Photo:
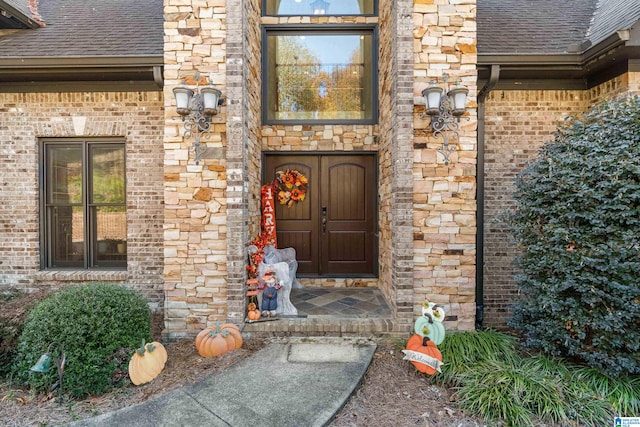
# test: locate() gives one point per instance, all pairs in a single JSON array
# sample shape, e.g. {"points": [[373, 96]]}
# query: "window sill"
{"points": [[82, 275]]}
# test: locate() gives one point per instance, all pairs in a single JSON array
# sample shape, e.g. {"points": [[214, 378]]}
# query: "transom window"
{"points": [[319, 7], [84, 218], [325, 76]]}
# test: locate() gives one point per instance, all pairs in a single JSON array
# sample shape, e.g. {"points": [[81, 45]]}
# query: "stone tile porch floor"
{"points": [[357, 303]]}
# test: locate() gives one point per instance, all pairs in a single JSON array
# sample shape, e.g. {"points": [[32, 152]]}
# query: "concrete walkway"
{"points": [[303, 382]]}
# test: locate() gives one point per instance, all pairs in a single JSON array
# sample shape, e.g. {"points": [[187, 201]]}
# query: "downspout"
{"points": [[157, 76], [482, 96]]}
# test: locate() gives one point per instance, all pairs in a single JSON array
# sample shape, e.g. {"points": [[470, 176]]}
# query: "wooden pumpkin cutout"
{"points": [[423, 354], [147, 362]]}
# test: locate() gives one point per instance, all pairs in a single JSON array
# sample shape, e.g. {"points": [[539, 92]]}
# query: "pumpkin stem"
{"points": [[425, 340], [429, 316], [216, 331], [141, 350]]}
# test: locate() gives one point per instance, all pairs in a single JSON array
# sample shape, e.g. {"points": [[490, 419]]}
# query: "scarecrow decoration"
{"points": [[271, 285], [289, 187], [422, 348]]}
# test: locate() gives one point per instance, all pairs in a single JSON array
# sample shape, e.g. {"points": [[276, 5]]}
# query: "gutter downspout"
{"points": [[482, 96], [157, 76]]}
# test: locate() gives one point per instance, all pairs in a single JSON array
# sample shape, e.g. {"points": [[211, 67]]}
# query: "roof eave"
{"points": [[27, 21], [17, 62], [73, 74], [561, 70]]}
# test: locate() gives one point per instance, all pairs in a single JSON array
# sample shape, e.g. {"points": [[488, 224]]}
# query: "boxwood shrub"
{"points": [[577, 220], [98, 326]]}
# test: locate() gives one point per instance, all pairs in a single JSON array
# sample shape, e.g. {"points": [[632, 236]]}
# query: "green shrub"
{"points": [[492, 380], [15, 306], [97, 325], [462, 351], [577, 221]]}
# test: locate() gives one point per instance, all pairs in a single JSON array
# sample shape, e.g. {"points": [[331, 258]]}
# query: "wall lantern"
{"points": [[43, 365], [444, 112], [319, 7], [196, 107]]}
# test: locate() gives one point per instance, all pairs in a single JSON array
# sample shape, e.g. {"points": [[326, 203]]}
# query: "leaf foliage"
{"points": [[97, 325], [577, 222]]}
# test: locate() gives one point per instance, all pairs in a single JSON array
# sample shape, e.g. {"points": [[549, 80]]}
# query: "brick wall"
{"points": [[136, 117], [444, 203], [517, 124]]}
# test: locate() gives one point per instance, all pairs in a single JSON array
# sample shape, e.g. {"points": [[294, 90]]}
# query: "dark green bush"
{"points": [[98, 325], [577, 220]]}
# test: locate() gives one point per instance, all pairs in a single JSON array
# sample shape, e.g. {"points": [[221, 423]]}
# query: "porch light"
{"points": [[444, 112], [196, 107], [319, 7]]}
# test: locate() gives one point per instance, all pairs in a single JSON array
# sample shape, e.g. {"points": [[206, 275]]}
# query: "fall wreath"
{"points": [[290, 186]]}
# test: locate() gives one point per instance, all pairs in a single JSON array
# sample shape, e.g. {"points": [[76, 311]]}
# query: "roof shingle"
{"points": [[91, 28], [549, 26]]}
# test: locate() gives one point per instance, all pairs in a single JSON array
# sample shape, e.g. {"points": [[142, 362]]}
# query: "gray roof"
{"points": [[90, 28], [550, 26], [21, 6], [613, 15]]}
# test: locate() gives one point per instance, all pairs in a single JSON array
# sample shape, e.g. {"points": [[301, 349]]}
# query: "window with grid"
{"points": [[317, 76], [319, 73], [84, 222]]}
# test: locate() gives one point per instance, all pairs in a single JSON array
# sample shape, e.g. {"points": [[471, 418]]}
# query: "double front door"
{"points": [[334, 228]]}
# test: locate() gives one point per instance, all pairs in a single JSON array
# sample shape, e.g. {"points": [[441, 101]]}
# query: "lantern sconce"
{"points": [[444, 112], [197, 107]]}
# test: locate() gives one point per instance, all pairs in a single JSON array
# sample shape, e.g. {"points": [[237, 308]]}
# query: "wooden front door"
{"points": [[334, 229]]}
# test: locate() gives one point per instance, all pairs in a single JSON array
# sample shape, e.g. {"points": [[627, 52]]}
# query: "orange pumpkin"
{"points": [[218, 340], [427, 347], [252, 312], [147, 362]]}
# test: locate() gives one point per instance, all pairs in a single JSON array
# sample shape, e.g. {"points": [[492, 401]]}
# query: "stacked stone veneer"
{"points": [[197, 196], [135, 118], [444, 196], [212, 210], [517, 124]]}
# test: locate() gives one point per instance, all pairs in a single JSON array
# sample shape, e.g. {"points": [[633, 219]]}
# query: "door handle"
{"points": [[324, 219]]}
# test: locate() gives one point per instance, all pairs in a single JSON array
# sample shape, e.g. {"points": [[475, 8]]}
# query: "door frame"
{"points": [[376, 218]]}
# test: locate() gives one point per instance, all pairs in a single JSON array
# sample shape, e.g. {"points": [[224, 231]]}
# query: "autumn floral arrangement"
{"points": [[259, 242], [290, 187]]}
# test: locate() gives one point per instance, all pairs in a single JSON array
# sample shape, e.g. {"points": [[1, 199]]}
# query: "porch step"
{"points": [[320, 326]]}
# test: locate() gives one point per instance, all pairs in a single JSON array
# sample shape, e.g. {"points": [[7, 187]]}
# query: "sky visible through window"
{"points": [[319, 7], [331, 49]]}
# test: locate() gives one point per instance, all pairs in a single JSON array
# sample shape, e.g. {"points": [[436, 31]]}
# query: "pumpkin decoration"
{"points": [[218, 340], [426, 327], [252, 312], [147, 362], [423, 354], [434, 310]]}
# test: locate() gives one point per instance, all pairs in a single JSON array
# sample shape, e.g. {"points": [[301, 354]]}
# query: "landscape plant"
{"points": [[577, 222], [492, 379], [97, 325]]}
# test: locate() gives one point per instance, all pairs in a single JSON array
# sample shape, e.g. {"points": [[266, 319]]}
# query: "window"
{"points": [[325, 76], [84, 217], [319, 7]]}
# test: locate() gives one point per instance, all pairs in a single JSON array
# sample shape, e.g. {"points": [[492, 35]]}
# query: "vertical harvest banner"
{"points": [[268, 216]]}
